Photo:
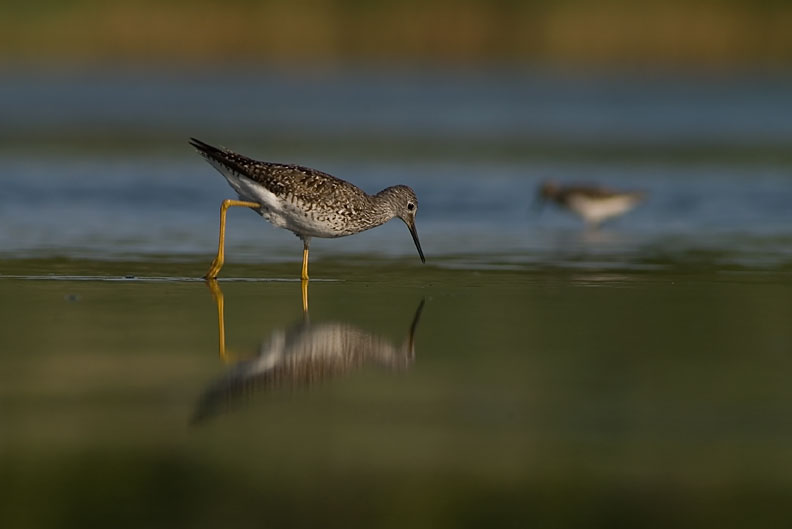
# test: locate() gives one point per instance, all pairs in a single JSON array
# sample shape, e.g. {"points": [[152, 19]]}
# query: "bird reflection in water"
{"points": [[304, 354]]}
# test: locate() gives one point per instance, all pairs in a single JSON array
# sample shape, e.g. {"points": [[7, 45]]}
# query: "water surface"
{"points": [[634, 375], [576, 397], [97, 165]]}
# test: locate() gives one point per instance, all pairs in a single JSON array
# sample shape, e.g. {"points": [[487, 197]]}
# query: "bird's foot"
{"points": [[214, 269]]}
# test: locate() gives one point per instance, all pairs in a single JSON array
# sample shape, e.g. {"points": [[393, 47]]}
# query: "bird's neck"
{"points": [[384, 207]]}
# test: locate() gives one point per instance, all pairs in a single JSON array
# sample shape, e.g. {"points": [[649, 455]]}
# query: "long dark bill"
{"points": [[414, 327], [414, 234]]}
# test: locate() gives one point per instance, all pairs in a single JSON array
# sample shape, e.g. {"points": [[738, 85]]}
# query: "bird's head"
{"points": [[547, 190], [404, 204]]}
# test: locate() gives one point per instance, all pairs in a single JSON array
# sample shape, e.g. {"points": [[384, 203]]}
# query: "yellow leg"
{"points": [[217, 264], [217, 295], [304, 275], [304, 284]]}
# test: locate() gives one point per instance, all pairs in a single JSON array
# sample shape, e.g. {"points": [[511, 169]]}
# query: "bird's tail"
{"points": [[221, 158]]}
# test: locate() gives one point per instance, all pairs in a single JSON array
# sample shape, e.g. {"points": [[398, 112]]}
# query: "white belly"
{"points": [[279, 212], [598, 210]]}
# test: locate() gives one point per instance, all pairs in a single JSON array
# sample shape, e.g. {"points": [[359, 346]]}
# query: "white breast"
{"points": [[596, 210], [280, 212], [248, 190]]}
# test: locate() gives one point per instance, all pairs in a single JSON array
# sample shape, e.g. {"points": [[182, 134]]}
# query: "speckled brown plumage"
{"points": [[309, 202]]}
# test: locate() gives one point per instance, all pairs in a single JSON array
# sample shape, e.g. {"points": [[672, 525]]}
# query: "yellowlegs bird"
{"points": [[593, 204], [307, 202]]}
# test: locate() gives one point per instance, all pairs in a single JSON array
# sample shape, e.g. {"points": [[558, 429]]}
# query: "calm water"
{"points": [[531, 373], [97, 166], [578, 398]]}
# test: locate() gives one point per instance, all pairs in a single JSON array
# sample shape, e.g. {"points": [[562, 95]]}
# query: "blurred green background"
{"points": [[573, 33]]}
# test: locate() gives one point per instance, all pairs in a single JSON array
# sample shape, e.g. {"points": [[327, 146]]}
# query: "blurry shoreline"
{"points": [[578, 34], [386, 148], [383, 113]]}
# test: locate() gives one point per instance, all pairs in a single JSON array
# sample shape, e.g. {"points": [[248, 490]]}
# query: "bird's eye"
{"points": [[410, 206]]}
